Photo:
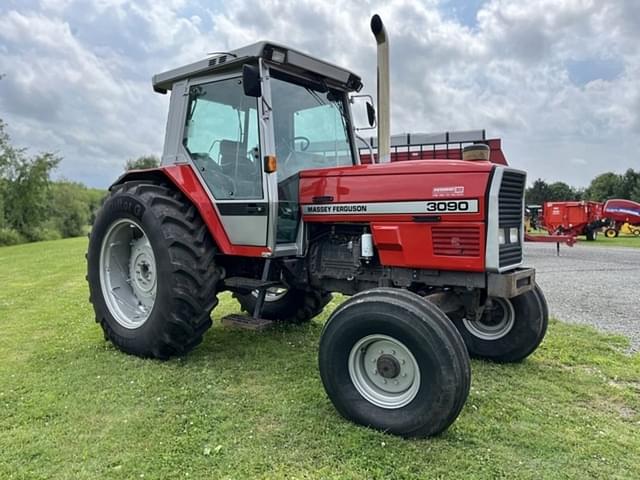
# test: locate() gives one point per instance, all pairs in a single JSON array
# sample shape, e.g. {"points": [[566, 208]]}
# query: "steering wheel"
{"points": [[305, 142]]}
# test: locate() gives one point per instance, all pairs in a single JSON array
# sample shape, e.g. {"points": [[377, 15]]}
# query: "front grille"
{"points": [[510, 254], [510, 215], [456, 241], [510, 199]]}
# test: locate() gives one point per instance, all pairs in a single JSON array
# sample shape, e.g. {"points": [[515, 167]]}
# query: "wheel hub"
{"points": [[384, 371], [142, 268], [128, 275], [388, 366], [496, 321]]}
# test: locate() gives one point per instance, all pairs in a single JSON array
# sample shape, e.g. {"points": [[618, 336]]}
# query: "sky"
{"points": [[557, 80]]}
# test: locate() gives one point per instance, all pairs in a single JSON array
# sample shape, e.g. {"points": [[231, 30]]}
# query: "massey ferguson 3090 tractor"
{"points": [[261, 192]]}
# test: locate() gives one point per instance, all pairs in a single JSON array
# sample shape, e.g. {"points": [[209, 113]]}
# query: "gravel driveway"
{"points": [[599, 286]]}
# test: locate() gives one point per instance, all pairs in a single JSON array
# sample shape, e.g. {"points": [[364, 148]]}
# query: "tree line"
{"points": [[33, 207], [603, 187]]}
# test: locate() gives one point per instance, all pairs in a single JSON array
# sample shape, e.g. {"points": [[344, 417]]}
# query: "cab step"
{"points": [[247, 284], [246, 322]]}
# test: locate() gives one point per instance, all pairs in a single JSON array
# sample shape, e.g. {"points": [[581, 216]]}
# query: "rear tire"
{"points": [[509, 332], [591, 235], [293, 306], [181, 253], [423, 360]]}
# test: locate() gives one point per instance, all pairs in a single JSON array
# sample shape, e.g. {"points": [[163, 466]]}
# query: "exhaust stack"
{"points": [[384, 94]]}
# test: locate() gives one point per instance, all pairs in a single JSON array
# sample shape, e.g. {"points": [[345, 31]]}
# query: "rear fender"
{"points": [[183, 178]]}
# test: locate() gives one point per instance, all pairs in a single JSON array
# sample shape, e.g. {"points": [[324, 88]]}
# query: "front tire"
{"points": [[151, 271], [508, 331], [611, 233], [391, 360]]}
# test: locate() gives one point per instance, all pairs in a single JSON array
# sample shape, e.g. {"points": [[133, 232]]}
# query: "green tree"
{"points": [[24, 187], [69, 208], [560, 191], [630, 188], [538, 193], [141, 163], [605, 186], [27, 196]]}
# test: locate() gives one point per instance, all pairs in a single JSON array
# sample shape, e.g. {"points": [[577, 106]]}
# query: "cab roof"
{"points": [[293, 60]]}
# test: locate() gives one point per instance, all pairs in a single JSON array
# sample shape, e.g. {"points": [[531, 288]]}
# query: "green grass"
{"points": [[620, 241], [251, 405]]}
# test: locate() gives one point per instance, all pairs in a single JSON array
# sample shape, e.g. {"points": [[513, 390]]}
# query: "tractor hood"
{"points": [[400, 181], [414, 167]]}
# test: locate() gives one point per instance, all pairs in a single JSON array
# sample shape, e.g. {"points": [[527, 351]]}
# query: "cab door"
{"points": [[223, 139]]}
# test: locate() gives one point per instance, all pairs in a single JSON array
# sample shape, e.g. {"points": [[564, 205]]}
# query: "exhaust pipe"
{"points": [[384, 94]]}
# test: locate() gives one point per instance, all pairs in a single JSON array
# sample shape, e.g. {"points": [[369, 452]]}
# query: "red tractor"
{"points": [[261, 192]]}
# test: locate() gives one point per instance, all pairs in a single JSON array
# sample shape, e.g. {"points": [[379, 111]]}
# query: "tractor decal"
{"points": [[436, 206]]}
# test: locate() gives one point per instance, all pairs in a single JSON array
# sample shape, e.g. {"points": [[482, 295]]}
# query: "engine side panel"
{"points": [[426, 220]]}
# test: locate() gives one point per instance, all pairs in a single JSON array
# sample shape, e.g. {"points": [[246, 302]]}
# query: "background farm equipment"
{"points": [[622, 213], [629, 229], [435, 146], [573, 218]]}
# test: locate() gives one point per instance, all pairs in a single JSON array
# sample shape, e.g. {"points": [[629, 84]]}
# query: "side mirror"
{"points": [[251, 81], [363, 112], [371, 114]]}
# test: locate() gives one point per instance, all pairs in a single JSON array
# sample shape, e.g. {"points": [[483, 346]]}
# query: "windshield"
{"points": [[310, 128]]}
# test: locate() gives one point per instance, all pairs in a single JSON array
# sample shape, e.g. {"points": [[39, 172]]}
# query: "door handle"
{"points": [[255, 209]]}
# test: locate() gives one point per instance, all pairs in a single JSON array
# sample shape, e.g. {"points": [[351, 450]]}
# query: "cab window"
{"points": [[221, 136]]}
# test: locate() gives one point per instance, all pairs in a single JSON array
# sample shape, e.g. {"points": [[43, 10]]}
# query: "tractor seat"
{"points": [[235, 164]]}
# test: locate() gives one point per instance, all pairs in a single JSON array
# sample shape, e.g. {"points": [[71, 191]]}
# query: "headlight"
{"points": [[514, 235], [501, 237], [278, 56]]}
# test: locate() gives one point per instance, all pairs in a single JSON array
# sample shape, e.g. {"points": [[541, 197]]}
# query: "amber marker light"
{"points": [[270, 163]]}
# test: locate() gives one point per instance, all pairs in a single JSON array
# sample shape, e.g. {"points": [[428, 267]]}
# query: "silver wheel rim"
{"points": [[128, 275], [495, 323], [384, 371], [273, 294]]}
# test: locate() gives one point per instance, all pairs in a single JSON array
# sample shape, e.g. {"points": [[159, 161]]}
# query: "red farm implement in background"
{"points": [[433, 146], [573, 218], [620, 212]]}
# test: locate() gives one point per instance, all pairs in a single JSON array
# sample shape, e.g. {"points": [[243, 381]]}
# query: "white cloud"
{"points": [[78, 72]]}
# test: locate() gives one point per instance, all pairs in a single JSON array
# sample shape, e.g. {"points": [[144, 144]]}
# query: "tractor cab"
{"points": [[249, 121]]}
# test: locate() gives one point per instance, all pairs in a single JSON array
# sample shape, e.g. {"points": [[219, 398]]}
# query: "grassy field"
{"points": [[251, 405], [621, 241]]}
